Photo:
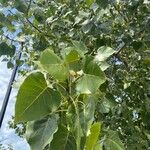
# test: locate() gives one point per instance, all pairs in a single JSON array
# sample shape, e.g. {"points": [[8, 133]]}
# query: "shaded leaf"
{"points": [[113, 141], [92, 68], [102, 3], [87, 116], [62, 140], [7, 50], [21, 5]]}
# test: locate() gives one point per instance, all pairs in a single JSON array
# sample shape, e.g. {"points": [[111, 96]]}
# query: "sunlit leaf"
{"points": [[89, 2], [89, 84], [35, 99], [40, 133], [103, 53], [93, 136], [54, 65]]}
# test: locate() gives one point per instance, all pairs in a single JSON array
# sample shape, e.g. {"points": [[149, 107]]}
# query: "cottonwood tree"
{"points": [[89, 84]]}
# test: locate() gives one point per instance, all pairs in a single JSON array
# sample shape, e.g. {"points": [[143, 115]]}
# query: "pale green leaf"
{"points": [[103, 53], [92, 79], [104, 65], [88, 84], [35, 99], [93, 136], [40, 133]]}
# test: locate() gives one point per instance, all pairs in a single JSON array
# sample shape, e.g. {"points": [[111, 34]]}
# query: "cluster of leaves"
{"points": [[77, 86]]}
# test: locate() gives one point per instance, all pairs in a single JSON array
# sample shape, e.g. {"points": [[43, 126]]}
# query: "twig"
{"points": [[51, 36]]}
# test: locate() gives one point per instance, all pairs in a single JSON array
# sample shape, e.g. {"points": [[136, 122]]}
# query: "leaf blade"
{"points": [[35, 99], [40, 133], [93, 136]]}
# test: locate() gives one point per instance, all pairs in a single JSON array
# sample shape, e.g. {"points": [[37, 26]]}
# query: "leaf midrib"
{"points": [[33, 101]]}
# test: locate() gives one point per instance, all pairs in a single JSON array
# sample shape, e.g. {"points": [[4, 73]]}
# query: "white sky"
{"points": [[7, 135]]}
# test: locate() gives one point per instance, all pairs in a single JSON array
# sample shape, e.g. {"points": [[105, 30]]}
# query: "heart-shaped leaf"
{"points": [[35, 99]]}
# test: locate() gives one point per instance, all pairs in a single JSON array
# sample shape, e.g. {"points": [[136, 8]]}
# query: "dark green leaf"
{"points": [[7, 50], [63, 140], [102, 3], [21, 5]]}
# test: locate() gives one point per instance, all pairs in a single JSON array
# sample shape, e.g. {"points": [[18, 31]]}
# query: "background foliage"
{"points": [[84, 94]]}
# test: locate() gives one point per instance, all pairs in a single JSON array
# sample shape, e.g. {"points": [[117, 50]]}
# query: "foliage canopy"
{"points": [[90, 82]]}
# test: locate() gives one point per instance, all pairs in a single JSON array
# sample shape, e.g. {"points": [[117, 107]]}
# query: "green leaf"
{"points": [[3, 1], [87, 116], [92, 68], [35, 99], [40, 133], [89, 2], [102, 3], [92, 78], [89, 84], [93, 136], [98, 146], [72, 56], [21, 5], [62, 140], [10, 64], [113, 142], [80, 47], [104, 65], [7, 50], [104, 106], [54, 65], [87, 25], [39, 15], [103, 53]]}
